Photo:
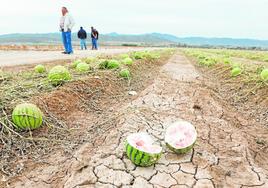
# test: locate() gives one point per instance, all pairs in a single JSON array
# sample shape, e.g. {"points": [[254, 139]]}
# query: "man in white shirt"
{"points": [[66, 25]]}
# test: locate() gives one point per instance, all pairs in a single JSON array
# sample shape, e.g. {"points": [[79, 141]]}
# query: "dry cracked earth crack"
{"points": [[221, 157]]}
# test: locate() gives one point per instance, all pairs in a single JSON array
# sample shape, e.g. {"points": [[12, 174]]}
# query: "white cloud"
{"points": [[212, 18]]}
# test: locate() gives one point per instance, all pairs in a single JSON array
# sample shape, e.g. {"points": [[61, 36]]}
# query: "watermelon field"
{"points": [[158, 118]]}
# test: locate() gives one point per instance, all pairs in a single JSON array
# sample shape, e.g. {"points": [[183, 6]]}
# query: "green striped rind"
{"points": [[141, 158], [27, 117], [58, 75], [182, 150]]}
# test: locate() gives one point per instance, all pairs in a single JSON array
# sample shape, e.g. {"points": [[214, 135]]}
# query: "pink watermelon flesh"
{"points": [[181, 135], [143, 142]]}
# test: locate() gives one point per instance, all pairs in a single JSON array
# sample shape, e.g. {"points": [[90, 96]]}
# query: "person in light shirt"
{"points": [[66, 25]]}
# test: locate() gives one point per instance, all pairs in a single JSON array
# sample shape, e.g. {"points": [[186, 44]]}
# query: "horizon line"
{"points": [[179, 37]]}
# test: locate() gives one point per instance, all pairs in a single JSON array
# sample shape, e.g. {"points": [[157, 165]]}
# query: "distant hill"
{"points": [[143, 39]]}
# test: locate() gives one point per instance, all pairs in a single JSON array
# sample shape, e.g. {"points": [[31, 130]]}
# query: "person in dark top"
{"points": [[95, 38], [82, 35]]}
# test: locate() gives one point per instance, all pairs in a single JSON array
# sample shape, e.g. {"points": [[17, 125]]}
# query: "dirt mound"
{"points": [[247, 96]]}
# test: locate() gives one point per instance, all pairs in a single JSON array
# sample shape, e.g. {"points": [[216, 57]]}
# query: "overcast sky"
{"points": [[208, 18]]}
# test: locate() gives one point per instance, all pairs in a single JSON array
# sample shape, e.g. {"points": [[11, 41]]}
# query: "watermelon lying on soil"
{"points": [[264, 74], [123, 56], [236, 71], [124, 73], [141, 151], [82, 67], [113, 64], [90, 60], [27, 116], [138, 55], [103, 63], [180, 137], [59, 74], [39, 68], [75, 63], [127, 61]]}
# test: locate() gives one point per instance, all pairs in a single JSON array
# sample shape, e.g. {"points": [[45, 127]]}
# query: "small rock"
{"points": [[132, 93]]}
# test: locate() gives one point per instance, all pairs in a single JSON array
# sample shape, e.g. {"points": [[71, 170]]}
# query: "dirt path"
{"points": [[10, 58], [226, 154]]}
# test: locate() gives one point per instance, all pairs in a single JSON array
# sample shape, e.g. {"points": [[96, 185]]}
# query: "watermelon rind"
{"points": [[180, 150], [58, 75], [27, 116], [140, 157]]}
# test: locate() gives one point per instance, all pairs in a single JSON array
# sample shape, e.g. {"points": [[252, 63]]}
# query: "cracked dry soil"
{"points": [[226, 153]]}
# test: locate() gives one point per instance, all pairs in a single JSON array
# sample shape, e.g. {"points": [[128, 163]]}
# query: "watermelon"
{"points": [[82, 67], [127, 61], [103, 63], [90, 60], [75, 63], [264, 74], [236, 71], [124, 73], [27, 116], [58, 75], [138, 55], [141, 151], [39, 68], [180, 137], [124, 56], [113, 64]]}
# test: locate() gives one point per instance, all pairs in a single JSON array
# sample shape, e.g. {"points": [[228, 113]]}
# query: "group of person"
{"points": [[66, 25], [82, 35]]}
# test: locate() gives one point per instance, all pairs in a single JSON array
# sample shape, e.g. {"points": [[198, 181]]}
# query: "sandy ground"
{"points": [[10, 58], [224, 156]]}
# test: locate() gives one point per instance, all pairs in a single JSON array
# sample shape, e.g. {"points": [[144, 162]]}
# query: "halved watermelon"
{"points": [[181, 136], [141, 151]]}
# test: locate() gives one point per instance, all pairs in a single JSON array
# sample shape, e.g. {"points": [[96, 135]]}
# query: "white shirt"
{"points": [[66, 22]]}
